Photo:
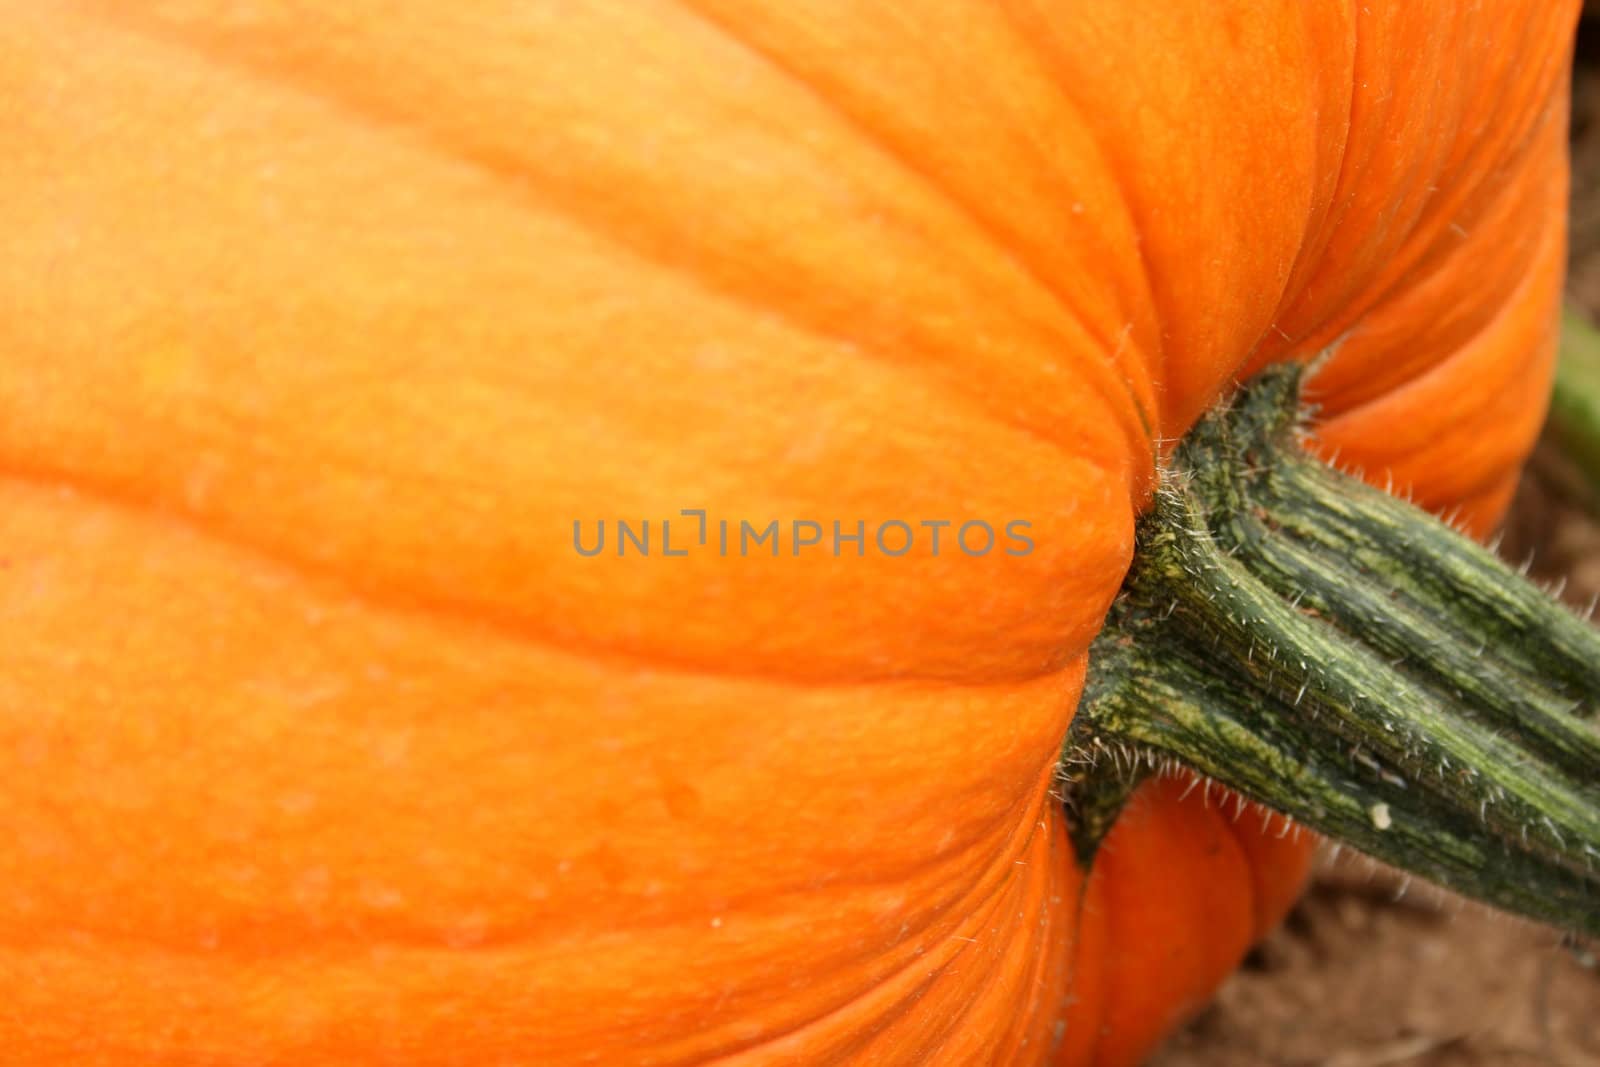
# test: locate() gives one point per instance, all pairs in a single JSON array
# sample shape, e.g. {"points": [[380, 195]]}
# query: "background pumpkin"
{"points": [[324, 323]]}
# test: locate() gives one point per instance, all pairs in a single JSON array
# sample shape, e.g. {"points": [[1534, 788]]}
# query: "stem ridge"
{"points": [[1346, 659]]}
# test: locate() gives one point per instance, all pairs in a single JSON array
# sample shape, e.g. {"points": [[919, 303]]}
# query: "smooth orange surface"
{"points": [[322, 322]]}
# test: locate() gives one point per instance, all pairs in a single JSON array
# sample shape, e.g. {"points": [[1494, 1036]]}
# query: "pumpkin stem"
{"points": [[1575, 402], [1347, 659]]}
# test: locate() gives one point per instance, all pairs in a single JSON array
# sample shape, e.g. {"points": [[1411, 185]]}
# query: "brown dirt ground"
{"points": [[1372, 971]]}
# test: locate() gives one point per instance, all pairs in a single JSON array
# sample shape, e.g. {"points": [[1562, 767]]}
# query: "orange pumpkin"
{"points": [[324, 323]]}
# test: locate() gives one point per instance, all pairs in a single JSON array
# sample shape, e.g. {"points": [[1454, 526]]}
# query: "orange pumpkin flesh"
{"points": [[324, 322]]}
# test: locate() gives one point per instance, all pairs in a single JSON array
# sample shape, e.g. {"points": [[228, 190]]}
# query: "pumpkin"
{"points": [[326, 323]]}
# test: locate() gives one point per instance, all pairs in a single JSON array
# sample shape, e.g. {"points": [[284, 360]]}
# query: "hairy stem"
{"points": [[1348, 660]]}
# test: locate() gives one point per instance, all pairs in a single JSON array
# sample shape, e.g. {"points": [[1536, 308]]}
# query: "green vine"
{"points": [[1575, 404]]}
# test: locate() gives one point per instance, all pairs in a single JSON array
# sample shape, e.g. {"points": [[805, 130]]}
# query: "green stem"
{"points": [[1346, 659], [1575, 402]]}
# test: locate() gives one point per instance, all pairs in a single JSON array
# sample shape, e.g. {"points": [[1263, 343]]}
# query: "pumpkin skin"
{"points": [[323, 323]]}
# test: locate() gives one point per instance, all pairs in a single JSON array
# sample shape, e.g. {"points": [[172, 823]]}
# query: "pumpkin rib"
{"points": [[511, 627], [1364, 376], [971, 905], [960, 942], [1247, 836], [1158, 835], [1191, 348], [1314, 241], [1428, 229], [474, 979], [968, 900], [976, 916], [884, 987], [1106, 378], [1100, 442], [1033, 44], [1112, 347], [1517, 434], [1058, 934], [1268, 898], [1086, 950]]}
